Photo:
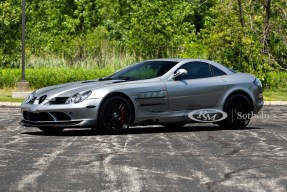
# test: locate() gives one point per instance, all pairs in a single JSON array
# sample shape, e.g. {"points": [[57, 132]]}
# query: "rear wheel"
{"points": [[51, 129], [238, 109], [115, 115]]}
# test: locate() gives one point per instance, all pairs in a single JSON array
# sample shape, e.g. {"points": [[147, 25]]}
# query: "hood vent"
{"points": [[42, 98], [32, 100]]}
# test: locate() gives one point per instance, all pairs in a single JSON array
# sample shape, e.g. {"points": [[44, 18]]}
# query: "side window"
{"points": [[195, 70], [216, 71]]}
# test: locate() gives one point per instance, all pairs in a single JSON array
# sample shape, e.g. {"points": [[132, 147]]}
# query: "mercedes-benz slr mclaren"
{"points": [[168, 92]]}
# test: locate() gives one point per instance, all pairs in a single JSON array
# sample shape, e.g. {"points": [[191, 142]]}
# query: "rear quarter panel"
{"points": [[239, 82]]}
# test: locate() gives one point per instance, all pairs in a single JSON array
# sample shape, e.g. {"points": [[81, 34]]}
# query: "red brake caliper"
{"points": [[122, 115]]}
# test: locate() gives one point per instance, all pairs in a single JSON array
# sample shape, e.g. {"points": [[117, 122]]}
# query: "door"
{"points": [[198, 89]]}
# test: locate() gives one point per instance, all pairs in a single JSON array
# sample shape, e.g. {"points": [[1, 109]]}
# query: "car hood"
{"points": [[69, 89]]}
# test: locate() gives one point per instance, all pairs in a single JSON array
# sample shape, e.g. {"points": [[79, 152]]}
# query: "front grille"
{"points": [[45, 116], [58, 100], [60, 116]]}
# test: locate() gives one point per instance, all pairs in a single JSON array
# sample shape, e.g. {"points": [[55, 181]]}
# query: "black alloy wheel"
{"points": [[115, 115], [239, 111]]}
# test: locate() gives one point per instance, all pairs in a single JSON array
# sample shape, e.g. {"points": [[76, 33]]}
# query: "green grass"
{"points": [[6, 96], [275, 96]]}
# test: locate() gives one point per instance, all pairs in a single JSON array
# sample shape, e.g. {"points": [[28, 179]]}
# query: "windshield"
{"points": [[143, 70]]}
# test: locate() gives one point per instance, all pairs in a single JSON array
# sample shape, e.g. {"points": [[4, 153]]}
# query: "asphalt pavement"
{"points": [[197, 157]]}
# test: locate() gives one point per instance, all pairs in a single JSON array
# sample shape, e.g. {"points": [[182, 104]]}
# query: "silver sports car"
{"points": [[168, 92]]}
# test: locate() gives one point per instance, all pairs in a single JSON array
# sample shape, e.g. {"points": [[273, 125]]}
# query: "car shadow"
{"points": [[137, 130]]}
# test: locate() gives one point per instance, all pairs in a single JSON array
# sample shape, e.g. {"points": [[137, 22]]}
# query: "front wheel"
{"points": [[116, 115], [238, 109]]}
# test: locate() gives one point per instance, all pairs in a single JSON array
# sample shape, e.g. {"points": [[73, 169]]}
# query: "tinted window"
{"points": [[216, 71], [195, 70]]}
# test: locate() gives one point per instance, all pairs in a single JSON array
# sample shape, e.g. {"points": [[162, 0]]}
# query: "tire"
{"points": [[236, 107], [116, 115], [51, 129], [173, 125]]}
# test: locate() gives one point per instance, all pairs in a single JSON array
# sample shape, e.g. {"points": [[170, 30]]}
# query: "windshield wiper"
{"points": [[104, 79], [128, 78], [119, 80]]}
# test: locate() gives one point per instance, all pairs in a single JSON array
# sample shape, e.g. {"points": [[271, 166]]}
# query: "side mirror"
{"points": [[180, 72]]}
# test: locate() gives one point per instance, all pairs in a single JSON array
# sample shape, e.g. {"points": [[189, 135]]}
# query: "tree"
{"points": [[10, 33], [246, 35], [241, 34], [159, 28]]}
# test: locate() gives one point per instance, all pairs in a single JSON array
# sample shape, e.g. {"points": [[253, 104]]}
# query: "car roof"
{"points": [[170, 59], [185, 60], [180, 60]]}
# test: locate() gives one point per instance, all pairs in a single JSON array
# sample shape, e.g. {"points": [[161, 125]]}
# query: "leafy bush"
{"points": [[276, 81], [9, 77], [43, 77]]}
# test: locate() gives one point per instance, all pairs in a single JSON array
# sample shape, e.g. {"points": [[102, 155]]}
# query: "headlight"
{"points": [[30, 97], [77, 98], [71, 99], [257, 82], [82, 97]]}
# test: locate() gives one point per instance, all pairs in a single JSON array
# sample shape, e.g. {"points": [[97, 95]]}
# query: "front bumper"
{"points": [[64, 124], [258, 100], [83, 114]]}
